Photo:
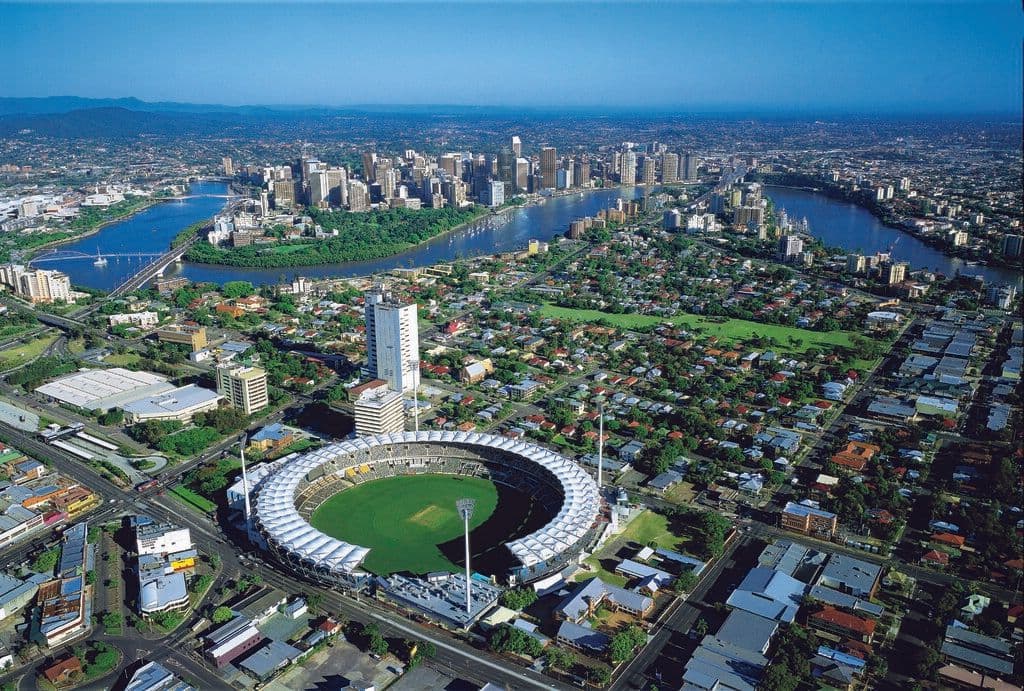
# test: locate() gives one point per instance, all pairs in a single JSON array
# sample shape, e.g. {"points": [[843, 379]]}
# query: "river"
{"points": [[837, 223], [842, 224], [151, 231]]}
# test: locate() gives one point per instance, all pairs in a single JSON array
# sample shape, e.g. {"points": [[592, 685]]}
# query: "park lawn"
{"points": [[728, 330], [651, 527], [122, 359], [646, 528], [25, 352], [403, 519], [189, 498]]}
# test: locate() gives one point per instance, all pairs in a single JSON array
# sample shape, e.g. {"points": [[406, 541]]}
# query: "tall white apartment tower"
{"points": [[392, 339]]}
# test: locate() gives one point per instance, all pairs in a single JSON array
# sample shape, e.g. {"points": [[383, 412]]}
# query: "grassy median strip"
{"points": [[196, 501]]}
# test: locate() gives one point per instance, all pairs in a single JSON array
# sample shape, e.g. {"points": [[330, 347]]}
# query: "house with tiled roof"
{"points": [[837, 625]]}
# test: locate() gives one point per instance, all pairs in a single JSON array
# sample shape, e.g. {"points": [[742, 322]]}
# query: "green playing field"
{"points": [[403, 519]]}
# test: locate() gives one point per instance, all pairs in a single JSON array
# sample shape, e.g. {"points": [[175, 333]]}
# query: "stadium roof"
{"points": [[281, 523]]}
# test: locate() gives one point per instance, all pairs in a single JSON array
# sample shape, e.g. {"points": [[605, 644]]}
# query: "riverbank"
{"points": [[361, 237], [823, 187], [147, 204]]}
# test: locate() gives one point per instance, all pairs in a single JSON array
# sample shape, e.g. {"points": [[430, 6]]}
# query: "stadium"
{"points": [[320, 513]]}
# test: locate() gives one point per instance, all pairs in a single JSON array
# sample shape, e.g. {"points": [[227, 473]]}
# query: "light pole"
{"points": [[414, 365], [600, 439], [245, 480], [465, 508]]}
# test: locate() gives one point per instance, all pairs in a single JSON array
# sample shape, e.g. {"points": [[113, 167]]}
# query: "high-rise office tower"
{"points": [[358, 196], [392, 339], [581, 173], [451, 164], [627, 168], [648, 173], [229, 166], [495, 193], [690, 162], [505, 160], [388, 181], [454, 191], [517, 146], [369, 161], [319, 189], [549, 166], [521, 183], [669, 168], [245, 388]]}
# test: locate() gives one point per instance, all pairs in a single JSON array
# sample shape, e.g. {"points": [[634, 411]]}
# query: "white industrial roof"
{"points": [[174, 401], [92, 388], [280, 520]]}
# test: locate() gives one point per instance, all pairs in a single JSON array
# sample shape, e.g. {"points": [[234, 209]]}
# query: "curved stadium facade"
{"points": [[286, 499]]}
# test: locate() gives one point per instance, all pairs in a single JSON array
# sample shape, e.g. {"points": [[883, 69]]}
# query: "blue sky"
{"points": [[876, 57]]}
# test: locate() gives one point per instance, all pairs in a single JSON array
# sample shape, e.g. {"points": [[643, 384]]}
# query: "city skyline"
{"points": [[787, 58]]}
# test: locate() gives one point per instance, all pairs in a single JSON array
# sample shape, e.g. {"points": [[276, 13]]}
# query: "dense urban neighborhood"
{"points": [[522, 409]]}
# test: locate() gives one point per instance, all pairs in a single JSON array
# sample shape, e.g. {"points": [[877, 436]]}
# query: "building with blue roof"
{"points": [[770, 594], [583, 638]]}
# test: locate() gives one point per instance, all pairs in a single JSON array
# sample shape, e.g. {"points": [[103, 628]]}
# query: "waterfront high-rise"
{"points": [[690, 162], [521, 183], [39, 286], [648, 174], [549, 166], [627, 168], [669, 168]]}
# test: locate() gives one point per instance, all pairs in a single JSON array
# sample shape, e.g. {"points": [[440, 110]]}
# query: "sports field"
{"points": [[786, 338], [404, 519]]}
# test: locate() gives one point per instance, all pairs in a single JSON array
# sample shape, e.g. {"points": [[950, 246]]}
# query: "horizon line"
{"points": [[666, 108]]}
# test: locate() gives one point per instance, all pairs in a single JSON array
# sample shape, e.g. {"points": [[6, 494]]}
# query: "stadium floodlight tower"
{"points": [[245, 482], [415, 366], [600, 440], [465, 508]]}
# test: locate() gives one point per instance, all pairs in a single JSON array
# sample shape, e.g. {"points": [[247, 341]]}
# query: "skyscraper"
{"points": [[506, 159], [517, 146], [358, 196], [549, 166], [627, 168], [495, 193], [392, 339], [521, 183], [669, 168], [229, 166], [648, 175], [690, 162]]}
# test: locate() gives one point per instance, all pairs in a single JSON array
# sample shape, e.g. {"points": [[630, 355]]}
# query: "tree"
{"points": [[508, 639], [599, 675], [559, 658], [237, 289], [377, 644], [625, 642], [518, 598], [685, 582], [222, 614]]}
